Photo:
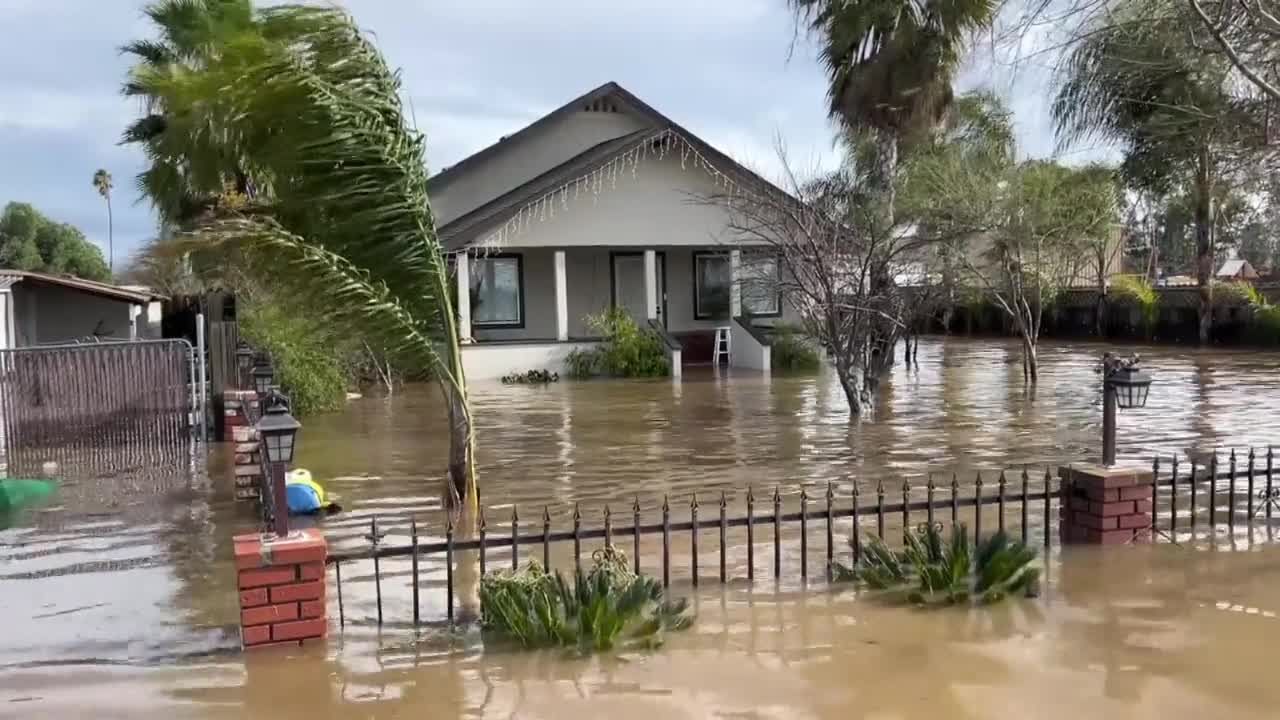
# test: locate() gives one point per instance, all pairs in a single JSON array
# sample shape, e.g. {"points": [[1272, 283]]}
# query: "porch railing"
{"points": [[1019, 502]]}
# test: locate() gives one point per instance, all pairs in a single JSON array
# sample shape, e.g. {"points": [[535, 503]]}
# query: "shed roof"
{"points": [[134, 294]]}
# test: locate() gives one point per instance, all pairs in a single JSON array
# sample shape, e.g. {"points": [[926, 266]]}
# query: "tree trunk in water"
{"points": [[1030, 364], [850, 385], [1204, 243], [462, 502], [1100, 314]]}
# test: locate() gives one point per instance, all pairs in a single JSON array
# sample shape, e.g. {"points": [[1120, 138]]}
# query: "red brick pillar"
{"points": [[1105, 506], [282, 588]]}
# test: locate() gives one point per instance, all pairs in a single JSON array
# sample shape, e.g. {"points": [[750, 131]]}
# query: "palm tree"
{"points": [[307, 106], [102, 181], [191, 34], [891, 63], [1138, 77]]}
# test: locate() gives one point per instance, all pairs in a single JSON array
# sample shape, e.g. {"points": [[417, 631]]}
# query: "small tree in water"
{"points": [[834, 253], [1017, 232]]}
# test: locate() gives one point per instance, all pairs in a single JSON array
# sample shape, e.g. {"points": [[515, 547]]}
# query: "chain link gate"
{"points": [[108, 406]]}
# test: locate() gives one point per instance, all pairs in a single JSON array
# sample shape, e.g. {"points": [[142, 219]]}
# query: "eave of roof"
{"points": [[92, 287]]}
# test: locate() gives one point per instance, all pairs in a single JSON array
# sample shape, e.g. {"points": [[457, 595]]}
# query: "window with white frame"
{"points": [[711, 284], [497, 291], [760, 294]]}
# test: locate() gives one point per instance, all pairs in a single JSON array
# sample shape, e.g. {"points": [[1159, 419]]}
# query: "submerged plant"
{"points": [[626, 349], [791, 352], [932, 571], [599, 610], [532, 377]]}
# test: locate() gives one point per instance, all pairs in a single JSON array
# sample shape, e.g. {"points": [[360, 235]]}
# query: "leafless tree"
{"points": [[830, 246]]}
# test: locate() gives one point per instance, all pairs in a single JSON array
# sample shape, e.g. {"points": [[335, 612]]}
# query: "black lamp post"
{"points": [[244, 362], [278, 430], [264, 376], [1123, 385]]}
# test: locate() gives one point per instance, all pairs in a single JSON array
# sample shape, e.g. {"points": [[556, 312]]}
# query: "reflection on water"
{"points": [[1159, 632], [104, 599]]}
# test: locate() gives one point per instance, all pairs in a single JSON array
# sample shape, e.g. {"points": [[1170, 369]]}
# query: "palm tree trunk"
{"points": [[111, 241], [1204, 243]]}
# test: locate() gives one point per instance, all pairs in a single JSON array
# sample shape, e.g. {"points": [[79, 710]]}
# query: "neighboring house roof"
{"points": [[1237, 268], [134, 294], [468, 227]]}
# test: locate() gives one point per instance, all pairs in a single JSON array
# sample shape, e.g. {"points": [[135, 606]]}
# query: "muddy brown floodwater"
{"points": [[119, 601]]}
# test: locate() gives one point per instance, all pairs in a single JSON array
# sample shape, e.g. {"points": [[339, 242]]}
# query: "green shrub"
{"points": [[790, 352], [1264, 325], [626, 350], [932, 571], [308, 364], [1135, 290], [1236, 292], [601, 609]]}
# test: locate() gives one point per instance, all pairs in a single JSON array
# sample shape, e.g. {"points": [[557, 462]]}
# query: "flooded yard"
{"points": [[120, 601]]}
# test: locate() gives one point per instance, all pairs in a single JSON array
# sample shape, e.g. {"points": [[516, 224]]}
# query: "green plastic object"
{"points": [[16, 493]]}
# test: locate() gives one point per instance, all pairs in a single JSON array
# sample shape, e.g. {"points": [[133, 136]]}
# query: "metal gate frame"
{"points": [[85, 430]]}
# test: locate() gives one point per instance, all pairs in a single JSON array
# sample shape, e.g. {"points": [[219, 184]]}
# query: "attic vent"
{"points": [[604, 106]]}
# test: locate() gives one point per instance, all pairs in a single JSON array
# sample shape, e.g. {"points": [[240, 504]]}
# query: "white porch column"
{"points": [[735, 283], [651, 284], [562, 299], [462, 268]]}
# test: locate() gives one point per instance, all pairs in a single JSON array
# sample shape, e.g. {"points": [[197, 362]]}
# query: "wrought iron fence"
{"points": [[1019, 503], [1250, 486]]}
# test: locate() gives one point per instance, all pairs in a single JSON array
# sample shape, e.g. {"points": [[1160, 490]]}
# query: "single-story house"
{"points": [[42, 309], [604, 202]]}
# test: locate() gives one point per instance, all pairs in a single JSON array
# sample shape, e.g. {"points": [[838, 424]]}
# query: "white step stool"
{"points": [[722, 345]]}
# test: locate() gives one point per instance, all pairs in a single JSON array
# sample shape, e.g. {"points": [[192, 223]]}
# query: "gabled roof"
{"points": [[1237, 267], [464, 229], [133, 294], [605, 90]]}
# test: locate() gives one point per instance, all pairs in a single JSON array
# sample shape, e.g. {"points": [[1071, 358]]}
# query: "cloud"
{"points": [[733, 71]]}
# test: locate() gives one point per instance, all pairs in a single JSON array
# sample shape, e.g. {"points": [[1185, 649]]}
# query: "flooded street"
{"points": [[120, 600]]}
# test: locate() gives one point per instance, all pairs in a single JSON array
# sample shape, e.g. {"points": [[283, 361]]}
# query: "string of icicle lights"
{"points": [[658, 146]]}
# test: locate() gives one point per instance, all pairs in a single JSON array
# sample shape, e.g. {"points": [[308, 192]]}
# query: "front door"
{"points": [[628, 285]]}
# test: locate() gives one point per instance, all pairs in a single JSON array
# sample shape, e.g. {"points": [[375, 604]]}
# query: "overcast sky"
{"points": [[474, 70]]}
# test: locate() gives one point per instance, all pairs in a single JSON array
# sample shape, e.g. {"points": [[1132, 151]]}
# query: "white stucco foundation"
{"points": [[491, 361], [746, 351]]}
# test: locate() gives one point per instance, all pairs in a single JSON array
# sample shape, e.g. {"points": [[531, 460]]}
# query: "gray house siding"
{"points": [[526, 158]]}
